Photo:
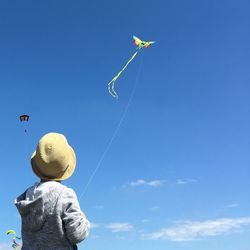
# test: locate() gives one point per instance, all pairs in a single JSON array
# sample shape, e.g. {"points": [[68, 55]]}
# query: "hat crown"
{"points": [[53, 148], [52, 156]]}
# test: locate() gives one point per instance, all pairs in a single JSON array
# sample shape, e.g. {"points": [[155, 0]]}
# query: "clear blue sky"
{"points": [[177, 173]]}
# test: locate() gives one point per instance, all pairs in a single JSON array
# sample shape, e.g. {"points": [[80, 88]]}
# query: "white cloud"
{"points": [[95, 225], [146, 220], [5, 246], [114, 227], [232, 205], [120, 238], [18, 216], [155, 208], [94, 237], [193, 230], [185, 181], [99, 207], [141, 182], [120, 227]]}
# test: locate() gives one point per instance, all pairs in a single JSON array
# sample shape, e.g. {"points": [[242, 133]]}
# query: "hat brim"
{"points": [[65, 175]]}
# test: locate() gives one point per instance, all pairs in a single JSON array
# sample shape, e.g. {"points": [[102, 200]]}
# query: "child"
{"points": [[50, 212]]}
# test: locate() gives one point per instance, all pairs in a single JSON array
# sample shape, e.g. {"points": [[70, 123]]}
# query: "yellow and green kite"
{"points": [[15, 245], [140, 44]]}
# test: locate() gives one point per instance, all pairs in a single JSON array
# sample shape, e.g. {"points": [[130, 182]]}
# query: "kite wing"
{"points": [[137, 40], [10, 232], [149, 44]]}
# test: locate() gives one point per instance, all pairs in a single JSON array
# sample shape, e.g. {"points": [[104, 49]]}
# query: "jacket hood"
{"points": [[36, 203]]}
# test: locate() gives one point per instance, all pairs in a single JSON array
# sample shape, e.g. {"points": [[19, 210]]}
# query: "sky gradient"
{"points": [[176, 173]]}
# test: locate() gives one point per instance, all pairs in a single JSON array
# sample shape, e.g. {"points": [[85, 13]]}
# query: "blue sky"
{"points": [[177, 173]]}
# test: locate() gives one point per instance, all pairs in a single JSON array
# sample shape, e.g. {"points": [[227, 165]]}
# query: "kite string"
{"points": [[115, 132]]}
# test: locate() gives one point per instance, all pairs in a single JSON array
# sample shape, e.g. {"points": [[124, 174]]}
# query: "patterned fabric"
{"points": [[51, 217]]}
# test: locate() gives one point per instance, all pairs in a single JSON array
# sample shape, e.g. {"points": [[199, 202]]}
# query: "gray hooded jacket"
{"points": [[51, 217]]}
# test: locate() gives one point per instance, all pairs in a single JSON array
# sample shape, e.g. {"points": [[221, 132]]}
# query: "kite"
{"points": [[10, 232], [24, 118], [15, 245], [140, 44]]}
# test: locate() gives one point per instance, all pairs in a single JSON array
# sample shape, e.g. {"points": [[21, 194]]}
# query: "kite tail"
{"points": [[111, 84], [115, 131]]}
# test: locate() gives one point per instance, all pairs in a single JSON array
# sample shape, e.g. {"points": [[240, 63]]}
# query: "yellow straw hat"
{"points": [[53, 159]]}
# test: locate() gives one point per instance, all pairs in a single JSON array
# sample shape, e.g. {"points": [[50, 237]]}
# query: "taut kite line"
{"points": [[140, 44]]}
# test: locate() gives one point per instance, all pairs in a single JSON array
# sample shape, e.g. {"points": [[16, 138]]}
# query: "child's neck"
{"points": [[47, 180]]}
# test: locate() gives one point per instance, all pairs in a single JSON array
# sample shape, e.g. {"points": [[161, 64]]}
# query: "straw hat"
{"points": [[53, 159]]}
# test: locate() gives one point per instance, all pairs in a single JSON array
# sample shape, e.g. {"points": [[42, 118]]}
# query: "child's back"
{"points": [[51, 217]]}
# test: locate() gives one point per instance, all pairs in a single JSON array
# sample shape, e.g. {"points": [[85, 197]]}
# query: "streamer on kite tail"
{"points": [[115, 131], [111, 84], [15, 245]]}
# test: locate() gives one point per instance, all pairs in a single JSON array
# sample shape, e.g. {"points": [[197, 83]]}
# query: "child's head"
{"points": [[53, 159]]}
